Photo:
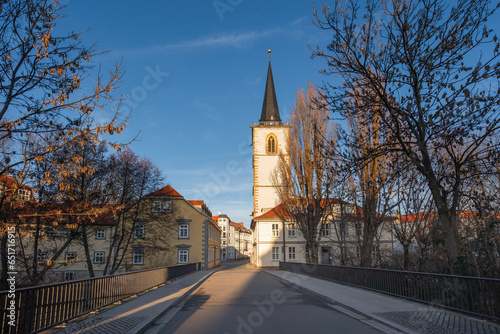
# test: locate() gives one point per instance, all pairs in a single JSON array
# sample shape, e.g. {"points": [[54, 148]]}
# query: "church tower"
{"points": [[269, 139]]}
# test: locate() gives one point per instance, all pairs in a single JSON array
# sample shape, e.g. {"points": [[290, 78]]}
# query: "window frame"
{"points": [[68, 275], [292, 231], [183, 252], [359, 229], [290, 253], [275, 231], [325, 229], [183, 227], [344, 229], [69, 258], [139, 231], [275, 253], [40, 260], [51, 234], [271, 144], [138, 253], [100, 254], [100, 233], [161, 206]]}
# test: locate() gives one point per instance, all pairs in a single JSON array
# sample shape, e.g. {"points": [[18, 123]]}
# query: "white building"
{"points": [[276, 239], [242, 241], [269, 139], [235, 239]]}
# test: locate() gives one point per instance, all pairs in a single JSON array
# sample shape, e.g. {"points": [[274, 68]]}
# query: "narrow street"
{"points": [[244, 300]]}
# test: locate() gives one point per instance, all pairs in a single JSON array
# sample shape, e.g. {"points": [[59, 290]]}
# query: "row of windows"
{"points": [[100, 233], [325, 229], [99, 257], [375, 252], [276, 253], [139, 231], [138, 255], [161, 206], [292, 255], [213, 234], [19, 194]]}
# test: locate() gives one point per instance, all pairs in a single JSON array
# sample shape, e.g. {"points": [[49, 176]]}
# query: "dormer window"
{"points": [[161, 206], [271, 144], [22, 195]]}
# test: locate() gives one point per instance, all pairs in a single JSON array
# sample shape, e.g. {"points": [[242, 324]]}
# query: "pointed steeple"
{"points": [[270, 111]]}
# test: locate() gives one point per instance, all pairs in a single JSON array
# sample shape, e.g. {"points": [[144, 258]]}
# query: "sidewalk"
{"points": [[135, 314], [397, 313]]}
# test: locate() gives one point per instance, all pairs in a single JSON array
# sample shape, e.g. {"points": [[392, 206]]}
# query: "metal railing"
{"points": [[473, 295], [271, 123], [44, 306]]}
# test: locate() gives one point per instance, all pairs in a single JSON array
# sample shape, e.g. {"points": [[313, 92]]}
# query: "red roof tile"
{"points": [[9, 182], [167, 191], [275, 213], [94, 214]]}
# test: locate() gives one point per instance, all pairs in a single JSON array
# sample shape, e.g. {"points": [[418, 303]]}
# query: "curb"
{"points": [[349, 310], [177, 301]]}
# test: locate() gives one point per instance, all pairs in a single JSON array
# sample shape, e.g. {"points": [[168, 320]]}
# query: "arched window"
{"points": [[272, 144]]}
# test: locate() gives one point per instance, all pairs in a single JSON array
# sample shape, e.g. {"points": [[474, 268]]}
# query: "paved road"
{"points": [[244, 300]]}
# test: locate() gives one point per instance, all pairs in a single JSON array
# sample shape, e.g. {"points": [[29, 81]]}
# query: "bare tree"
{"points": [[305, 182], [41, 74], [42, 108], [414, 201], [414, 57], [132, 178], [372, 179]]}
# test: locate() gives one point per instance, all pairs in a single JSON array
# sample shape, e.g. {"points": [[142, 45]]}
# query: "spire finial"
{"points": [[269, 51]]}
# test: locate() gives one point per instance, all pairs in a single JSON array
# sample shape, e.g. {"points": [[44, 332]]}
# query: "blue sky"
{"points": [[195, 76]]}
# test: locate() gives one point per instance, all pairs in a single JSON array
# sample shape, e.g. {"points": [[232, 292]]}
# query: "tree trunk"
{"points": [[312, 251], [406, 256], [35, 249], [87, 251], [3, 277], [447, 224], [367, 244]]}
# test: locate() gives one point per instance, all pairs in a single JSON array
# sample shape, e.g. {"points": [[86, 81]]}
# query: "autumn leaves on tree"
{"points": [[419, 93], [51, 92]]}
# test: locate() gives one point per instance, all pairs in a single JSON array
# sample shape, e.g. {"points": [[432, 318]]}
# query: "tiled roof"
{"points": [[411, 218], [275, 213], [9, 182], [51, 213], [240, 226], [167, 191], [430, 215], [279, 211], [200, 205]]}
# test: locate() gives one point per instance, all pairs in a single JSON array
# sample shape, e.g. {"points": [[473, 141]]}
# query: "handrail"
{"points": [[476, 296], [271, 123], [44, 306]]}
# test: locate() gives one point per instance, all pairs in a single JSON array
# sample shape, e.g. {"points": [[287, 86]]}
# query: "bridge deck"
{"points": [[385, 313]]}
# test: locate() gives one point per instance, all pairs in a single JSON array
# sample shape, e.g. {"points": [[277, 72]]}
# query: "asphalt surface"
{"points": [[244, 300]]}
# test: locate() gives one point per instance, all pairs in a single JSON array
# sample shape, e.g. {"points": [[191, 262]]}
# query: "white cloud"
{"points": [[235, 40], [226, 40]]}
